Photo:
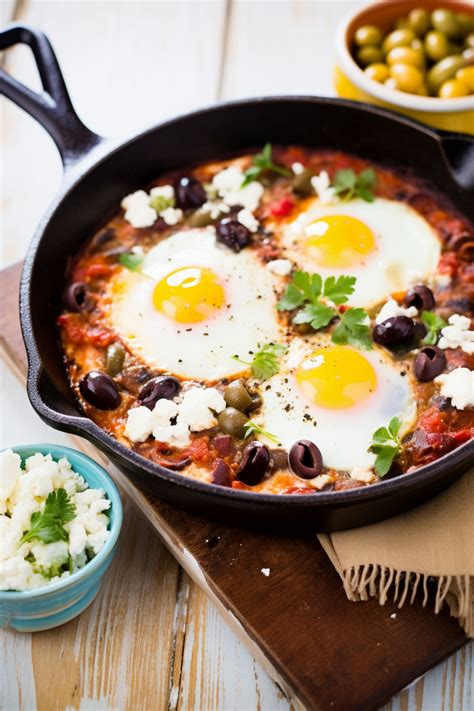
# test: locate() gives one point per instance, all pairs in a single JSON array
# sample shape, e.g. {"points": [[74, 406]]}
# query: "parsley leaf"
{"points": [[434, 324], [48, 525], [338, 290], [386, 445], [265, 362], [252, 428], [318, 315], [131, 261], [348, 184], [262, 162], [352, 330]]}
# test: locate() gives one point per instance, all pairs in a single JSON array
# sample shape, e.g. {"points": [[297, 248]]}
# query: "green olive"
{"points": [[419, 20], [466, 74], [453, 88], [237, 396], [398, 38], [407, 78], [417, 45], [465, 23], [366, 35], [232, 421], [377, 72], [369, 55], [200, 218], [405, 55], [445, 21], [436, 46], [469, 40], [302, 182], [114, 359], [468, 55], [444, 70]]}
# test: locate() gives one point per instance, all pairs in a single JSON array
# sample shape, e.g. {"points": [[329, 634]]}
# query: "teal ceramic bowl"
{"points": [[55, 604]]}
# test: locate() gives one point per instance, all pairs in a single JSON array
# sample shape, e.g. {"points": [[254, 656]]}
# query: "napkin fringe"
{"points": [[373, 580]]}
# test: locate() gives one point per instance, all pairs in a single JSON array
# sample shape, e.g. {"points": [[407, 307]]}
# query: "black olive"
{"points": [[395, 330], [189, 193], [254, 464], [305, 459], [163, 386], [221, 473], [233, 234], [419, 332], [429, 362], [74, 297], [420, 297], [460, 306], [100, 390]]}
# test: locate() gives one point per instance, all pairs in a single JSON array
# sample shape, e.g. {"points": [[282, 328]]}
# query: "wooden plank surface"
{"points": [[206, 666]]}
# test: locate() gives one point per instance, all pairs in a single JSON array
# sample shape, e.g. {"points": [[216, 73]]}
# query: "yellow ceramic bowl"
{"points": [[351, 82]]}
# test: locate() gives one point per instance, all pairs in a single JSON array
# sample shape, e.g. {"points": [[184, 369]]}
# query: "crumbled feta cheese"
{"points": [[322, 186], [164, 411], [246, 218], [48, 561], [10, 470], [229, 187], [163, 191], [139, 424], [198, 407], [138, 210], [459, 386], [96, 541], [176, 435], [215, 209], [363, 474], [280, 267], [265, 571], [319, 482], [171, 215], [391, 309], [297, 168], [458, 334]]}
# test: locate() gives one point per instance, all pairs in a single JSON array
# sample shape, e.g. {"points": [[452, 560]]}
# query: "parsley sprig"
{"points": [[260, 163], [434, 324], [48, 525], [251, 427], [348, 184], [306, 292], [265, 362], [386, 445]]}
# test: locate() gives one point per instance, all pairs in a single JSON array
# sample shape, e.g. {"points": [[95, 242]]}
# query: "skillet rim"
{"points": [[84, 426]]}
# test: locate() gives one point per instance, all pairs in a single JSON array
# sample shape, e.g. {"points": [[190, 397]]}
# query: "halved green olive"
{"points": [[444, 70], [232, 421], [436, 46], [200, 218], [367, 35], [419, 20], [114, 359], [302, 182], [369, 55], [237, 396], [445, 21]]}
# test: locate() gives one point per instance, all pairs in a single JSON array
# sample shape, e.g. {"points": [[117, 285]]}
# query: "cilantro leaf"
{"points": [[131, 261], [348, 184], [386, 445], [252, 428], [265, 362], [48, 525], [338, 290], [262, 162], [318, 315], [352, 330], [434, 324]]}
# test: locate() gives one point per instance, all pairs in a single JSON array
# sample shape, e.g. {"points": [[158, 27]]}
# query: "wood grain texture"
{"points": [[132, 50]]}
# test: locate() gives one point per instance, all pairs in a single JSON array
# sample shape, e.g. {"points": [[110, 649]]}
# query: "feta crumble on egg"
{"points": [[171, 421], [322, 186], [26, 560], [280, 267], [392, 308], [458, 334], [459, 386], [228, 183]]}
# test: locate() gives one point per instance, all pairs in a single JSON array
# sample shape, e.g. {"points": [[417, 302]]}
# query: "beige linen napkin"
{"points": [[392, 559]]}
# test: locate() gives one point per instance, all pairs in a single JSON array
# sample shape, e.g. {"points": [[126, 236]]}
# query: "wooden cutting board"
{"points": [[326, 653]]}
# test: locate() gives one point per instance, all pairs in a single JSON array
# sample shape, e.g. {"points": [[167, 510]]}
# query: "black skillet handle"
{"points": [[52, 107], [458, 149]]}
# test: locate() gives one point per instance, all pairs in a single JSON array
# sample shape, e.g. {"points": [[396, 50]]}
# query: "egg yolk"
{"points": [[339, 241], [336, 377], [189, 294]]}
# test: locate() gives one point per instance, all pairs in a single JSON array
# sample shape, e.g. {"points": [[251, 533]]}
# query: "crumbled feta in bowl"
{"points": [[60, 517]]}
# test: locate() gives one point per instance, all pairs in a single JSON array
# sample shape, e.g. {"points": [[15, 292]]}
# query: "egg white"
{"points": [[342, 435], [202, 350], [407, 248]]}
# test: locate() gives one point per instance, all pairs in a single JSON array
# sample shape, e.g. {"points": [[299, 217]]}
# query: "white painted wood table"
{"points": [[151, 640]]}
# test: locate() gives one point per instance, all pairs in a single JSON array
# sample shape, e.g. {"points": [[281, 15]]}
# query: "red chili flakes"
{"points": [[282, 208]]}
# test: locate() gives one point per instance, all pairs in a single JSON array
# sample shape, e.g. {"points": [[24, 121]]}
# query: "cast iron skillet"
{"points": [[99, 172]]}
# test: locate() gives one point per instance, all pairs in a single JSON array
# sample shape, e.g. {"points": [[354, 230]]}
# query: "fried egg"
{"points": [[336, 396], [385, 244], [194, 305]]}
